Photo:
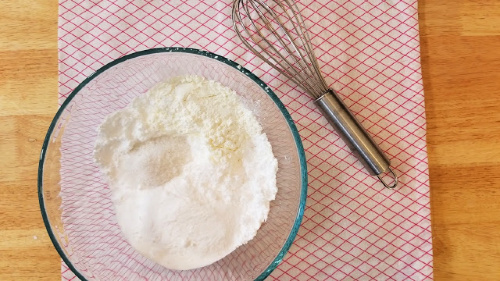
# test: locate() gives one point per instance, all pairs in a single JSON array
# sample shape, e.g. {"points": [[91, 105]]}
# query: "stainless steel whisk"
{"points": [[274, 31]]}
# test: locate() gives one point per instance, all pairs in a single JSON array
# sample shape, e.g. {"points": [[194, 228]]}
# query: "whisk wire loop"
{"points": [[261, 40], [304, 37], [277, 36]]}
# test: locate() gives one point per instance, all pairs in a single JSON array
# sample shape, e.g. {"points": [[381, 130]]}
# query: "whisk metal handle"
{"points": [[358, 140]]}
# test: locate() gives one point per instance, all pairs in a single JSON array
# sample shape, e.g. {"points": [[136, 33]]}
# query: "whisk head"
{"points": [[274, 31]]}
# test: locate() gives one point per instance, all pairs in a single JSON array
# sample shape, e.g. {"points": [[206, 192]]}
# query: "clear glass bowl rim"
{"points": [[300, 149]]}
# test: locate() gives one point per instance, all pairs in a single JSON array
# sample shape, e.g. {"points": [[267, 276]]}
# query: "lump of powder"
{"points": [[191, 172]]}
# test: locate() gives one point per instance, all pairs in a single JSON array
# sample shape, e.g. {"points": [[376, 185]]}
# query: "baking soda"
{"points": [[191, 172]]}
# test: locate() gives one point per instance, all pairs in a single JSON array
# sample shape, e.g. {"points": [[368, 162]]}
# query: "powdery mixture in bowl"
{"points": [[191, 171]]}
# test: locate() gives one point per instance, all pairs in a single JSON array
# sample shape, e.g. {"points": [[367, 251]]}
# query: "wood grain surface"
{"points": [[460, 45]]}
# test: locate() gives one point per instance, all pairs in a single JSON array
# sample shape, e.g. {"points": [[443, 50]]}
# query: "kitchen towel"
{"points": [[353, 228]]}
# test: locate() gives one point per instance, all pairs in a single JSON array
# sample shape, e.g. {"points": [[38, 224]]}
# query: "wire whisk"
{"points": [[274, 31]]}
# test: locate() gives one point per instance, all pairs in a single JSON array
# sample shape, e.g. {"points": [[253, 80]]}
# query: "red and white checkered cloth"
{"points": [[369, 51]]}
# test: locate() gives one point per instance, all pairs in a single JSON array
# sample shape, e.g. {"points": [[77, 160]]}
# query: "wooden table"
{"points": [[461, 68]]}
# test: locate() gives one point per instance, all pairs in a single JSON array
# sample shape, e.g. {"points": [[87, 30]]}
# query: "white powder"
{"points": [[192, 174]]}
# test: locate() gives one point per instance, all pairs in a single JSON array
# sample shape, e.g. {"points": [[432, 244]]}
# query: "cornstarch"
{"points": [[191, 172]]}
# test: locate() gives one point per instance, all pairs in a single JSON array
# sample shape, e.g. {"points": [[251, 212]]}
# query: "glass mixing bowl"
{"points": [[75, 198]]}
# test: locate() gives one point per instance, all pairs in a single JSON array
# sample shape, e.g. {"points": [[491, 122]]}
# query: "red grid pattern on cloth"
{"points": [[353, 228]]}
